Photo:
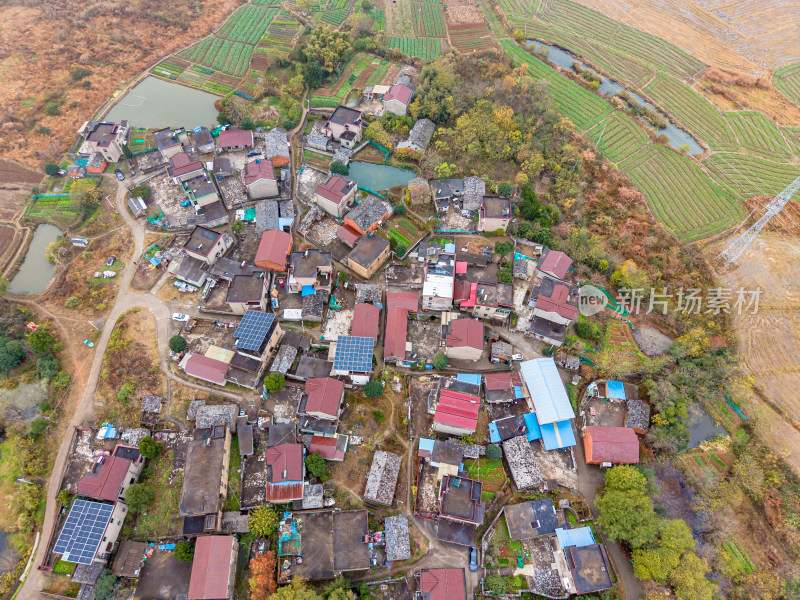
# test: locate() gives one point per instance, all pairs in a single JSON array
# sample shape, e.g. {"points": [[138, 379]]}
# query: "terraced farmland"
{"points": [[619, 136], [280, 33], [584, 108], [247, 24], [792, 135], [758, 135], [787, 80], [680, 195], [747, 176], [693, 110], [335, 94], [419, 48], [428, 19]]}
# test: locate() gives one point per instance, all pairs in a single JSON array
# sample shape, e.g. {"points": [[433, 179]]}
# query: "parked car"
{"points": [[88, 343], [517, 357], [254, 153], [119, 174], [180, 317], [473, 559]]}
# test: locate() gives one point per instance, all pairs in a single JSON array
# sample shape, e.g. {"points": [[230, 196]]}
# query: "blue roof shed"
{"points": [[547, 391], [616, 389], [473, 378], [557, 435], [568, 538], [534, 432]]}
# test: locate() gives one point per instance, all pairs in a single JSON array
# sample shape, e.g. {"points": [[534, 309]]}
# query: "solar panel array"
{"points": [[82, 533], [354, 354], [252, 330]]}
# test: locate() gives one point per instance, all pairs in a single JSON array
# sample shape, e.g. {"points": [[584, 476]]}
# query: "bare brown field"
{"points": [[767, 100], [741, 35]]}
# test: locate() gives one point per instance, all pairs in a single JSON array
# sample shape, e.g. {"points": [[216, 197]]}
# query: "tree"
{"points": [[263, 520], [399, 209], [339, 168], [313, 75], [366, 5], [378, 134], [47, 366], [37, 428], [149, 448], [373, 389], [400, 250], [338, 590], [139, 496], [297, 590], [51, 169], [689, 581], [495, 584], [262, 576], [177, 343], [505, 190], [184, 551], [503, 248], [505, 275], [40, 341], [126, 150], [274, 382], [624, 478], [327, 47], [105, 584], [494, 452], [12, 353], [627, 516], [315, 464], [440, 361], [142, 191], [237, 226]]}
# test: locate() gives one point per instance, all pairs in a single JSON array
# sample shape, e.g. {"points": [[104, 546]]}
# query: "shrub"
{"points": [[439, 361], [40, 341], [47, 366], [37, 428], [177, 343], [505, 190], [275, 382], [105, 584], [184, 551], [51, 169], [378, 416], [400, 250], [149, 448], [339, 168], [71, 302], [139, 496], [126, 391], [503, 248], [52, 109], [494, 452], [587, 331], [237, 226], [45, 406], [142, 191], [399, 209], [373, 389], [264, 520], [505, 275], [495, 584], [315, 464], [79, 73]]}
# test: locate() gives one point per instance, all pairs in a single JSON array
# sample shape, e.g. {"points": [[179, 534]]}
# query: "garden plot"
{"points": [[426, 48], [619, 136], [403, 231], [471, 38], [428, 20]]}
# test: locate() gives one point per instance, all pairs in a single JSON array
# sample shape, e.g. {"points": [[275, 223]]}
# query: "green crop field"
{"points": [[268, 2], [584, 108], [419, 48], [428, 19], [693, 110], [335, 17], [619, 136], [787, 80], [378, 20], [247, 24], [747, 176], [758, 135], [681, 196], [792, 135]]}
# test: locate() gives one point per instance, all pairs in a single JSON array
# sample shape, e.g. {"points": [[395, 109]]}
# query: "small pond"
{"points": [[701, 426], [379, 177], [608, 87], [8, 556], [35, 272], [157, 103]]}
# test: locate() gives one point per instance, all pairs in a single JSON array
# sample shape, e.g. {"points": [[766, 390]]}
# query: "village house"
{"points": [[182, 167], [129, 559], [309, 269], [276, 147], [334, 195], [286, 471], [493, 301], [247, 292], [235, 139], [105, 138], [397, 99], [202, 192], [137, 206], [398, 543], [90, 531], [203, 140], [461, 510], [260, 180], [207, 245], [555, 307], [419, 191], [419, 137], [322, 399], [495, 214], [399, 305], [503, 387], [274, 250], [167, 142], [441, 584], [205, 480], [257, 334], [521, 462], [610, 446], [214, 568], [366, 321], [368, 256], [382, 478], [553, 408], [352, 357], [531, 519], [456, 407], [96, 164], [554, 263], [367, 216], [437, 291], [112, 475], [465, 339], [203, 367], [344, 126]]}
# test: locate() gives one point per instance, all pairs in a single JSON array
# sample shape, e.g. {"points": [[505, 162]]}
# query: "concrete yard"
{"points": [[425, 337], [308, 181], [556, 464], [607, 413], [163, 577], [168, 197]]}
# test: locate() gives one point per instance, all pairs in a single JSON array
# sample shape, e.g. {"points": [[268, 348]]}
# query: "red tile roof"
{"points": [[365, 320], [324, 396], [498, 381], [466, 333], [443, 584], [286, 461], [325, 447], [557, 302], [556, 262], [211, 567], [457, 409], [104, 483], [206, 368], [233, 138], [257, 170], [405, 300], [335, 188], [398, 92], [611, 444], [394, 339], [347, 235], [275, 247], [181, 164]]}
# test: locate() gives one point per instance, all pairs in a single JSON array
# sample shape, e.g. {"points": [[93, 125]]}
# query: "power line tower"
{"points": [[740, 244]]}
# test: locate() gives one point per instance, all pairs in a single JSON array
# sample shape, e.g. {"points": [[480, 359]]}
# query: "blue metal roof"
{"points": [[494, 435], [354, 354], [451, 248], [473, 378], [616, 389], [534, 432], [426, 444], [582, 536], [557, 435], [547, 390], [518, 392]]}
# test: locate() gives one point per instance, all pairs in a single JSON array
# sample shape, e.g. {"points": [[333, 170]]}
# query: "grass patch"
{"points": [[234, 477], [64, 567], [161, 518]]}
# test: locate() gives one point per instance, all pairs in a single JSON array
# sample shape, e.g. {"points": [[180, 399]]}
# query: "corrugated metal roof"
{"points": [[211, 567], [284, 492], [473, 378], [616, 389], [546, 390], [534, 432], [558, 435], [582, 536]]}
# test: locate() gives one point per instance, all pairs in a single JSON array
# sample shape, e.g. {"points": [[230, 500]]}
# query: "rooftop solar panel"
{"points": [[252, 330], [83, 531], [354, 354]]}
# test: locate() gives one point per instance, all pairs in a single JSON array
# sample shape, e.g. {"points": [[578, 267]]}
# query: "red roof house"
{"points": [[207, 369], [335, 189], [555, 263], [274, 250], [327, 447], [323, 397], [615, 445], [106, 479], [285, 473], [394, 339], [365, 320], [233, 139], [443, 584], [465, 340], [181, 164], [401, 93], [213, 568], [257, 170], [558, 302], [456, 413], [497, 381], [405, 300], [347, 235]]}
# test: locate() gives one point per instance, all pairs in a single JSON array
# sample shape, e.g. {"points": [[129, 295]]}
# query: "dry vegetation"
{"points": [[44, 41]]}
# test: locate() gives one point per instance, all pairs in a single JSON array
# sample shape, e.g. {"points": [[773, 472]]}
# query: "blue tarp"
{"points": [[518, 392], [426, 444], [519, 256], [451, 248], [534, 432], [308, 290], [154, 261], [494, 435], [557, 435], [616, 389], [582, 536], [473, 378]]}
